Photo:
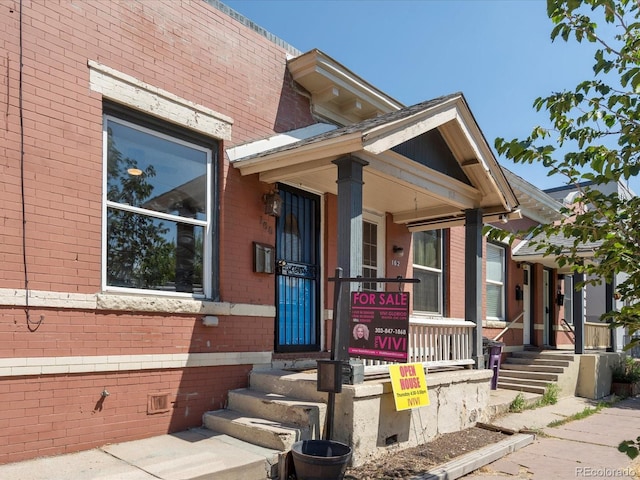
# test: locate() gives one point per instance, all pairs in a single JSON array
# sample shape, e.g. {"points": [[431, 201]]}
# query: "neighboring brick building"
{"points": [[139, 142]]}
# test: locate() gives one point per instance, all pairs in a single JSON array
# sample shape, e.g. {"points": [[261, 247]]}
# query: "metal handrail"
{"points": [[571, 329], [504, 330]]}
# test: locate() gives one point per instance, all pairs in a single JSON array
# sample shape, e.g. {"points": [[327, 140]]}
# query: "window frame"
{"points": [[502, 284], [440, 272], [379, 222], [567, 307], [166, 131]]}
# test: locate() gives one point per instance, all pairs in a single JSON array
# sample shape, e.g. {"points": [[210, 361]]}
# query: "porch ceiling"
{"points": [[393, 183]]}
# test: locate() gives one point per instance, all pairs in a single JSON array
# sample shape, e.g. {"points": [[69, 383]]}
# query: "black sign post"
{"points": [[338, 367]]}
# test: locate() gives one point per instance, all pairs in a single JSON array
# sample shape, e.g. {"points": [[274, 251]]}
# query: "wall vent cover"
{"points": [[157, 403]]}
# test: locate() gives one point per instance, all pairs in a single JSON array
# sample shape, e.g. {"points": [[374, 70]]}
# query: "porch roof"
{"points": [[418, 195], [528, 251], [535, 204]]}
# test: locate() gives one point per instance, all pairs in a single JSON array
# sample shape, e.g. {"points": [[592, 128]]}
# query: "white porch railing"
{"points": [[597, 335], [434, 343]]}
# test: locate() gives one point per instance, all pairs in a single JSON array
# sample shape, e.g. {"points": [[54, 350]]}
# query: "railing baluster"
{"points": [[434, 342]]}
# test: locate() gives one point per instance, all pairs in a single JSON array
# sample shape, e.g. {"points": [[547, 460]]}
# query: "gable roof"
{"points": [[410, 190]]}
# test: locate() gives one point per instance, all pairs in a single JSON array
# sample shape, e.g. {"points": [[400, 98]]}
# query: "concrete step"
{"points": [[258, 431], [300, 385], [524, 381], [531, 368], [543, 376], [568, 357], [521, 387], [274, 406], [537, 361]]}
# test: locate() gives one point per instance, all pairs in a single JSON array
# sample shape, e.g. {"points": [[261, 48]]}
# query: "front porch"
{"points": [[283, 406]]}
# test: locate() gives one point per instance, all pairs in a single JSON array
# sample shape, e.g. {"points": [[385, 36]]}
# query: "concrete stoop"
{"points": [[531, 372], [257, 414]]}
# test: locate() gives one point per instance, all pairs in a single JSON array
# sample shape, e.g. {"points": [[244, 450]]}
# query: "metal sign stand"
{"points": [[332, 373]]}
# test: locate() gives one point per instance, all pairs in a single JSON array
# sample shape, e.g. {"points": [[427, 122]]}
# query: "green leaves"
{"points": [[632, 75], [630, 448], [598, 123]]}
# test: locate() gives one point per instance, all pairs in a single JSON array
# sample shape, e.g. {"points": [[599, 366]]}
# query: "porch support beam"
{"points": [[610, 305], [578, 313], [473, 281], [350, 186]]}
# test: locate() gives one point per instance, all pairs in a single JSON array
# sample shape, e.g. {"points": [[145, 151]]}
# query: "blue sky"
{"points": [[498, 53]]}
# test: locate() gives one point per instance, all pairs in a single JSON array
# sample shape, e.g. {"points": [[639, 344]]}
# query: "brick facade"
{"points": [[190, 50], [76, 340]]}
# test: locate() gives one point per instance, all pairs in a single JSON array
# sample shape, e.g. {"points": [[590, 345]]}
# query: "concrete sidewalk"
{"points": [[194, 454], [585, 448], [582, 448]]}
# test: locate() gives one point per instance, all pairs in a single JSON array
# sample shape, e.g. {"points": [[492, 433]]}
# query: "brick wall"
{"points": [[55, 414], [455, 278], [188, 49]]}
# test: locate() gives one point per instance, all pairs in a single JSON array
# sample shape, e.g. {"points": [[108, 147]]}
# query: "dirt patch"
{"points": [[418, 460]]}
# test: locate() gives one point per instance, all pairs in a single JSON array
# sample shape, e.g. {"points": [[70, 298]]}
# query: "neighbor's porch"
{"points": [[447, 342]]}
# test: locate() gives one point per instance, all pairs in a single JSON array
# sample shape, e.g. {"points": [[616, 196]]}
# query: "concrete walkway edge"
{"points": [[473, 460]]}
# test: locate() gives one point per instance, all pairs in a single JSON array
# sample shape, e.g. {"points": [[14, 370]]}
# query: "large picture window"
{"points": [[158, 210], [427, 266], [495, 281]]}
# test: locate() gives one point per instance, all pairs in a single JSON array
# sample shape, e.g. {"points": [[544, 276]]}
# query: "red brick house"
{"points": [[145, 271]]}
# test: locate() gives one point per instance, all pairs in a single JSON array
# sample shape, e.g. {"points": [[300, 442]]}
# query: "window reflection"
{"points": [[148, 178], [172, 176]]}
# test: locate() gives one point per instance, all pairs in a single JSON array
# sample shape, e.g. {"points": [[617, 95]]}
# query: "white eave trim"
{"points": [[335, 74], [549, 207], [336, 146], [239, 152]]}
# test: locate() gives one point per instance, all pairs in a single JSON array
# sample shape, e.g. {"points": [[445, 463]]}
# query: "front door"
{"points": [[298, 272], [526, 304]]}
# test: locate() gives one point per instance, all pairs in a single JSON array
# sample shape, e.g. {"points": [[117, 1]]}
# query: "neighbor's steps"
{"points": [[533, 371], [539, 361], [533, 375], [520, 367]]}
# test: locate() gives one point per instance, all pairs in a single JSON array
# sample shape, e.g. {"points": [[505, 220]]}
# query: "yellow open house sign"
{"points": [[409, 385]]}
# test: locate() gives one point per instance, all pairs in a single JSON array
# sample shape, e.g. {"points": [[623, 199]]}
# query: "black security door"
{"points": [[297, 272]]}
